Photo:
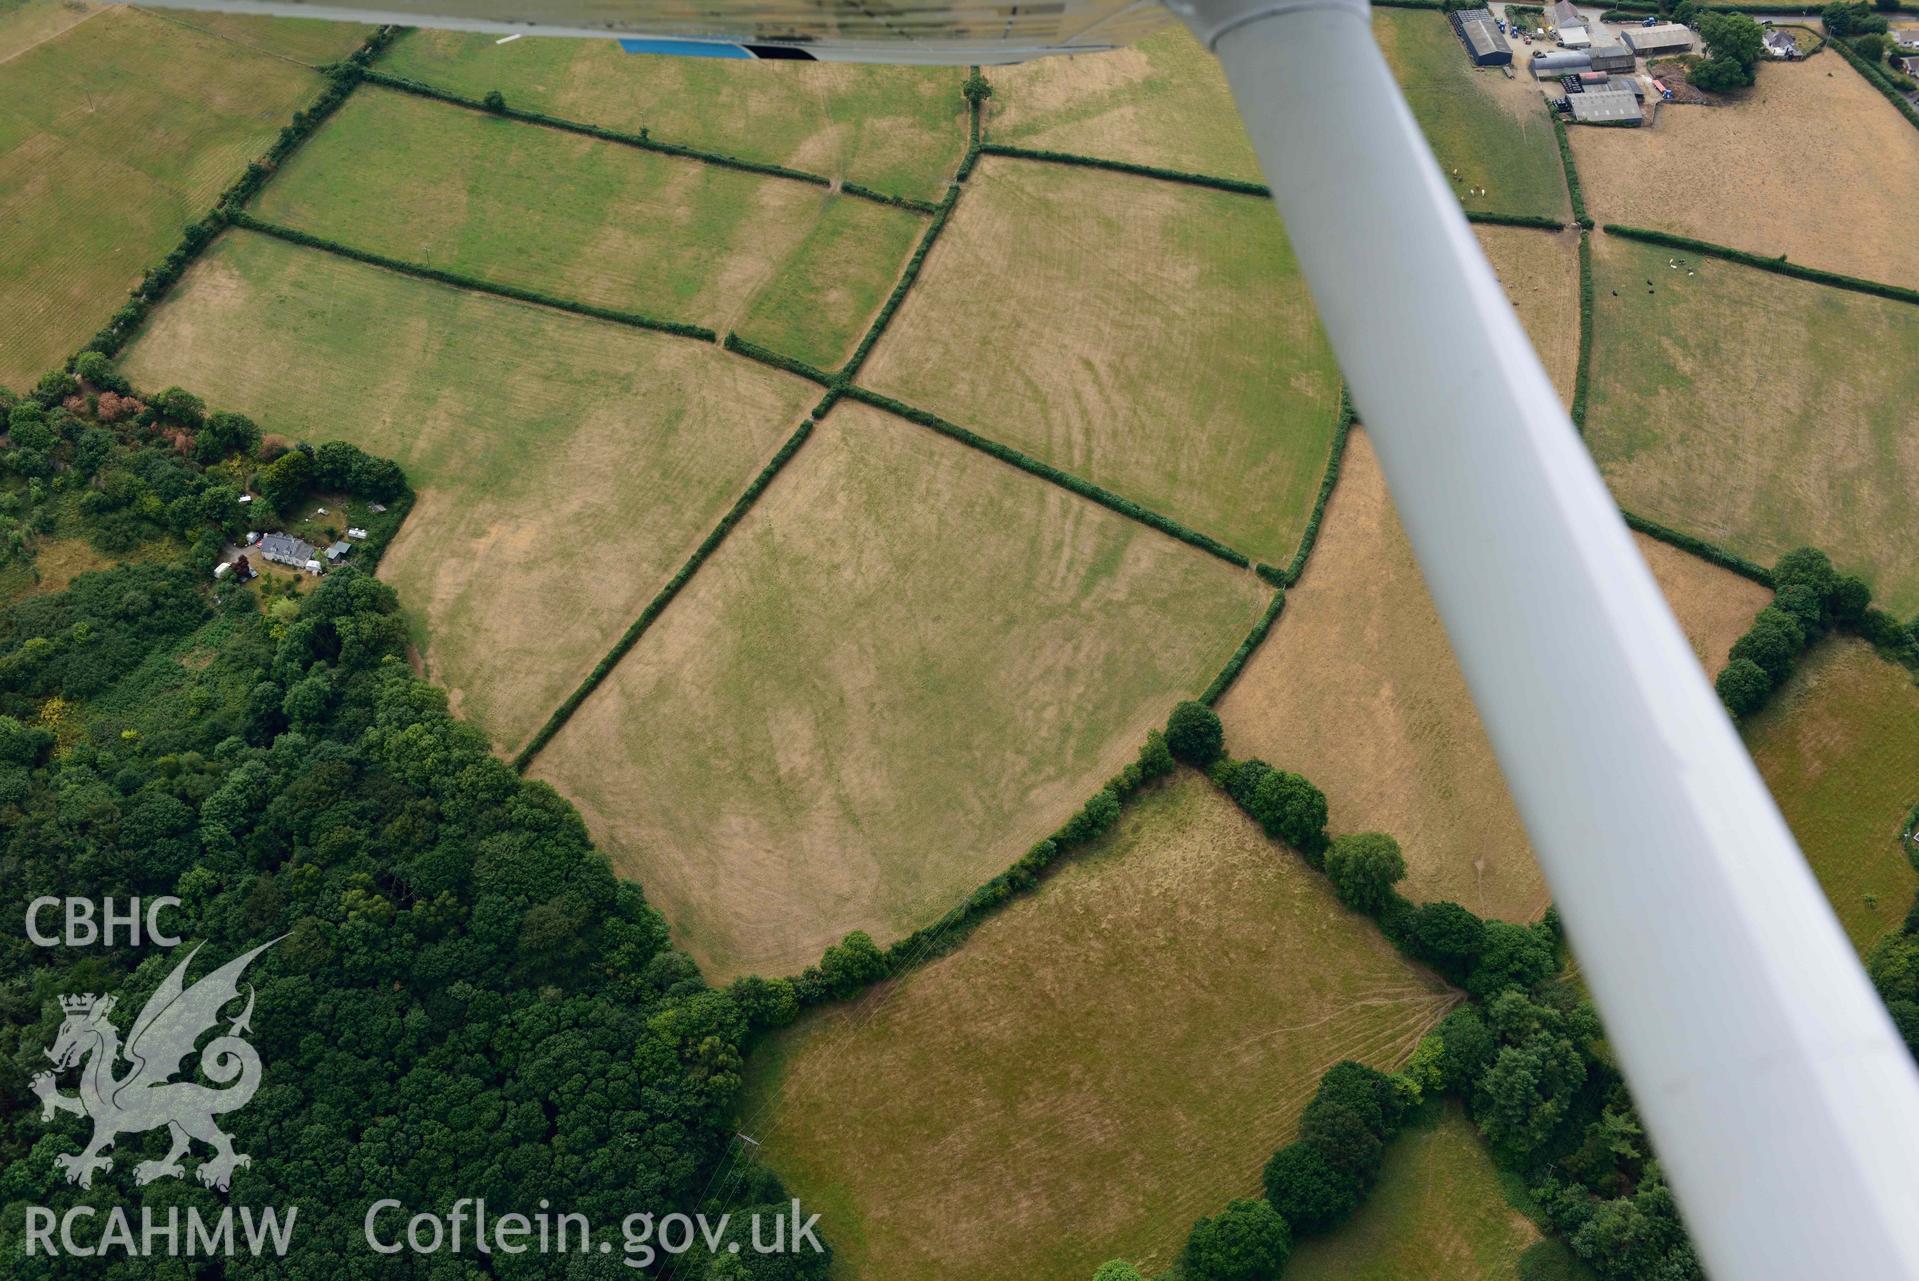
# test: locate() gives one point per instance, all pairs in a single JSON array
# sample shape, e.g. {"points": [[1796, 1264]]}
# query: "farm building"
{"points": [[1610, 57], [1607, 107], [1664, 37], [1569, 28], [1479, 32], [1551, 65], [285, 549]]}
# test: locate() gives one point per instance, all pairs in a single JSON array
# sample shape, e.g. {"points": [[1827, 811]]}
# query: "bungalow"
{"points": [[1780, 44]]}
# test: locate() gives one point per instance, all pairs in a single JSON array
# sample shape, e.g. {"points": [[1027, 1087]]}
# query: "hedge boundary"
{"points": [[1877, 79], [1237, 186], [664, 597], [1254, 639], [1536, 221], [1309, 537], [1573, 190], [1582, 369], [1046, 471], [1700, 547], [767, 356], [342, 78], [631, 319], [1779, 266], [908, 277]]}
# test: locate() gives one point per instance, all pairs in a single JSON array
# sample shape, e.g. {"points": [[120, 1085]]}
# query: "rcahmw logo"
{"points": [[146, 1096]]}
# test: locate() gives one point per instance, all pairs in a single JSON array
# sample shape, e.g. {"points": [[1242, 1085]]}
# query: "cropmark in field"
{"points": [[1154, 338], [1104, 1061], [1357, 689], [786, 263], [1811, 163], [115, 133], [1757, 411], [908, 663], [1839, 746], [566, 467], [901, 130]]}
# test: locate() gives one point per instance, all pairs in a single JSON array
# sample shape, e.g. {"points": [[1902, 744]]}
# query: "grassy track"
{"points": [[881, 689], [1357, 688], [1161, 102], [113, 136], [900, 129], [1103, 1062], [788, 264], [1438, 1211], [1155, 339], [1759, 412], [565, 466], [1839, 747]]}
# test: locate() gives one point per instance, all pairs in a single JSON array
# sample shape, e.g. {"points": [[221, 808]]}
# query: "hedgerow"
{"points": [[1230, 673], [907, 277], [1582, 371], [1878, 80], [1810, 599], [1515, 220], [656, 606], [1235, 185], [1700, 547], [341, 79], [1066, 480], [865, 192], [767, 356], [634, 319], [1573, 189], [1310, 535], [1778, 266]]}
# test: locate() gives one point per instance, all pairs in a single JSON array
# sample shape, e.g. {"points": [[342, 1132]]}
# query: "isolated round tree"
{"points": [[1194, 734], [1247, 1241], [1307, 1191], [1364, 866]]}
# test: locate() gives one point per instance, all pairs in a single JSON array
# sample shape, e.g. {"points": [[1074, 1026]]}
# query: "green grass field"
{"points": [[1154, 338], [788, 264], [1759, 412], [1839, 746], [1438, 1211], [565, 467], [114, 134], [25, 23], [1103, 1062], [881, 690], [1163, 101], [899, 129], [1491, 134], [306, 40]]}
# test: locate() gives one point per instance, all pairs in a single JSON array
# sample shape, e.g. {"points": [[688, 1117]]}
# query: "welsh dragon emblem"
{"points": [[146, 1097]]}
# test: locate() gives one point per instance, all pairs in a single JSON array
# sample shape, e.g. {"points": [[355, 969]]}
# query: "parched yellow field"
{"points": [[1163, 101], [565, 467], [1759, 412], [1839, 746], [1357, 689], [114, 135], [1154, 338], [1102, 1062], [1540, 271], [909, 662], [792, 265], [901, 130], [1812, 163], [1437, 1212]]}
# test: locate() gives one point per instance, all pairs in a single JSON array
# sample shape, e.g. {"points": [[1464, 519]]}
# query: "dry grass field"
{"points": [[907, 664], [788, 264], [1357, 689], [26, 23], [305, 40], [115, 133], [1154, 338], [1540, 271], [1759, 412], [1437, 1212], [565, 467], [1163, 101], [1104, 1061], [1811, 163], [1839, 746], [899, 129]]}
